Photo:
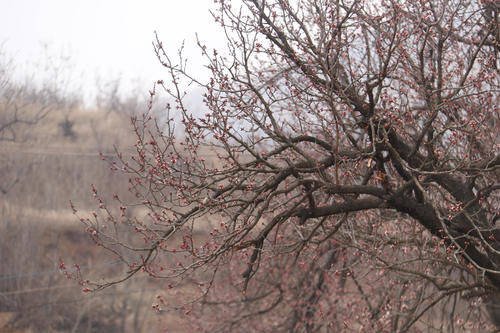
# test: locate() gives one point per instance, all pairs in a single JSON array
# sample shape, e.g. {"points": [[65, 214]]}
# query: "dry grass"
{"points": [[91, 127], [39, 174]]}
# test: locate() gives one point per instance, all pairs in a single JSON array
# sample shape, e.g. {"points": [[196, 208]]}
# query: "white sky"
{"points": [[106, 38]]}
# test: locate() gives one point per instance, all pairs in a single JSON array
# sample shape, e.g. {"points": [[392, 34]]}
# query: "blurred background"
{"points": [[72, 73]]}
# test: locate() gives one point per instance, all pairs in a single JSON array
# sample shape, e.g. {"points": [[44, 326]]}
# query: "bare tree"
{"points": [[345, 177], [21, 104]]}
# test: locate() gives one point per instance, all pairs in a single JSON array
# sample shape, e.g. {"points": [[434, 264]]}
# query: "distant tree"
{"points": [[20, 104], [345, 177]]}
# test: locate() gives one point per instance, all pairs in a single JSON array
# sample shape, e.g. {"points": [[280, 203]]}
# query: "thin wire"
{"points": [[56, 271], [73, 286], [93, 296], [78, 154], [62, 153], [32, 290]]}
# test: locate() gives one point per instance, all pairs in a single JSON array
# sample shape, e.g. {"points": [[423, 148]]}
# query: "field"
{"points": [[40, 172]]}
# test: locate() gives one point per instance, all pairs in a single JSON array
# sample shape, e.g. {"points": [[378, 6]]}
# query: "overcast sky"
{"points": [[107, 38]]}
